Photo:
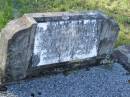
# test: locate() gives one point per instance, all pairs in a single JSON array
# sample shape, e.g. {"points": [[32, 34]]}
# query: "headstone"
{"points": [[38, 42]]}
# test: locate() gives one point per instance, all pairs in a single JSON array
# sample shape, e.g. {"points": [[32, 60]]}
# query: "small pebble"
{"points": [[32, 95], [39, 93], [3, 88]]}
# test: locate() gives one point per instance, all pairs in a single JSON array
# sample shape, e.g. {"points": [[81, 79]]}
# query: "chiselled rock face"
{"points": [[62, 41], [38, 42]]}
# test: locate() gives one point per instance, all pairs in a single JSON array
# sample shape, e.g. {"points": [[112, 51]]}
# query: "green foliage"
{"points": [[123, 39], [119, 9], [5, 12]]}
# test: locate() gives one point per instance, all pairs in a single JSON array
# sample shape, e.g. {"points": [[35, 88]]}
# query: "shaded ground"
{"points": [[100, 81]]}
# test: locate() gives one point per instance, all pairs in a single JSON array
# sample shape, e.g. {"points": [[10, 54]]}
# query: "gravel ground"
{"points": [[100, 81]]}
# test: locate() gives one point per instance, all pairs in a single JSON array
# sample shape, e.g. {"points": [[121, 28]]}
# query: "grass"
{"points": [[5, 12], [119, 9]]}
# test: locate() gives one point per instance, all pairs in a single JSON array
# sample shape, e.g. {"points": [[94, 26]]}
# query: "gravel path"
{"points": [[100, 81]]}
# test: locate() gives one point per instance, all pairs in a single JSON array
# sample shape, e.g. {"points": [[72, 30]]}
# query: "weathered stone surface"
{"points": [[108, 35], [15, 47], [17, 43], [122, 56]]}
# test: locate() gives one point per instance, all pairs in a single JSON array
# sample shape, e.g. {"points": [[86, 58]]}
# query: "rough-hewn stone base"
{"points": [[17, 41]]}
